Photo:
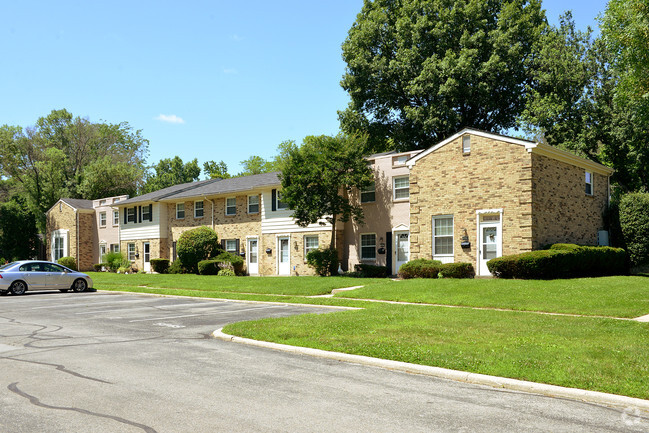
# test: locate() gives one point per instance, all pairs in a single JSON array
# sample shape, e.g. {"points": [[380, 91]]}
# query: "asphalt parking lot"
{"points": [[112, 362]]}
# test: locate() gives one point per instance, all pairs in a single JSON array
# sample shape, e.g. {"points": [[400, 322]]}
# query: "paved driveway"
{"points": [[106, 362]]}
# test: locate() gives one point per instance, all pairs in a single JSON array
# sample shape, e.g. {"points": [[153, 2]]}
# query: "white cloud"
{"points": [[170, 118]]}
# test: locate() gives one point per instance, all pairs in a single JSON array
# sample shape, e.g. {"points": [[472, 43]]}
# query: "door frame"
{"points": [[395, 249], [146, 266], [279, 253], [479, 225], [248, 251]]}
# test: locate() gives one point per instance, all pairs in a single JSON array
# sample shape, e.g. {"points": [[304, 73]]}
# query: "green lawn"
{"points": [[607, 296]]}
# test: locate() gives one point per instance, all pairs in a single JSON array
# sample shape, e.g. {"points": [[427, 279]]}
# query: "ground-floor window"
{"points": [[231, 246], [310, 244], [59, 244], [368, 246], [131, 252], [114, 248], [443, 235]]}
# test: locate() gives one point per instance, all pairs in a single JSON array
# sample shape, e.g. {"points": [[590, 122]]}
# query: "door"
{"points": [[490, 246], [147, 257], [253, 257], [284, 259], [401, 249]]}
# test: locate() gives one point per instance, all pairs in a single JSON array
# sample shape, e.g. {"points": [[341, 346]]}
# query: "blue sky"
{"points": [[213, 80]]}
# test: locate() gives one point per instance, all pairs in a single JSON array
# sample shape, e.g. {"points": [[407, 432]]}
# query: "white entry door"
{"points": [[284, 257], [253, 257], [401, 249], [490, 245], [147, 257]]}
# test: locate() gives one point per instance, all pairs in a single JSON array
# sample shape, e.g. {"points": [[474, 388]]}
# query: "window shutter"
{"points": [[388, 251], [125, 216], [151, 212], [274, 200], [223, 244], [135, 214], [238, 244], [139, 214]]}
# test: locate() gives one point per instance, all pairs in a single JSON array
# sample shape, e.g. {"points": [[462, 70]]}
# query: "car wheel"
{"points": [[18, 288], [64, 290], [79, 285]]}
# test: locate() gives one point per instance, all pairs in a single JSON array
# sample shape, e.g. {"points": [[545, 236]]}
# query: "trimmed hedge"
{"points": [[160, 266], [424, 268], [371, 271], [68, 262], [233, 259], [197, 244], [323, 261], [208, 267], [634, 220], [561, 261]]}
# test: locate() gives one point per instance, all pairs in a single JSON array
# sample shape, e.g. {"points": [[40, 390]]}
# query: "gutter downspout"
{"points": [[212, 203]]}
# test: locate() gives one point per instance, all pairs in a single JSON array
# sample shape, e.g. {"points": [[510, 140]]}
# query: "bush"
{"points": [[226, 273], [160, 266], [197, 244], [177, 267], [561, 261], [68, 262], [100, 267], [208, 267], [634, 221], [457, 270], [420, 268], [371, 271], [234, 260], [323, 261], [115, 260]]}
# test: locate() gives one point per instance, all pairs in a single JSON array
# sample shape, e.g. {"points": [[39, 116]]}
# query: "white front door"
{"points": [[284, 257], [253, 257], [147, 257], [490, 245], [401, 249]]}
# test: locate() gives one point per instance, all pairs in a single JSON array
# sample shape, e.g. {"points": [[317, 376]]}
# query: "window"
{"points": [[231, 206], [102, 203], [231, 245], [115, 217], [368, 247], [115, 200], [58, 246], [401, 187], [146, 215], [131, 252], [180, 211], [400, 160], [589, 183], [198, 209], [280, 204], [114, 248], [368, 195], [310, 244], [253, 204], [443, 235], [466, 144], [130, 214], [102, 219]]}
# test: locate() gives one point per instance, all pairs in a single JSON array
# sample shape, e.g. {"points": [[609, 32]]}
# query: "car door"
{"points": [[56, 277], [33, 274]]}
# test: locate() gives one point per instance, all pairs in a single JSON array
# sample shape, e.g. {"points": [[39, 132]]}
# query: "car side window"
{"points": [[25, 268], [54, 268]]}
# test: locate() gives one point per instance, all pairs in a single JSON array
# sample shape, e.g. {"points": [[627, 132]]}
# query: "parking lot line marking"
{"points": [[158, 307], [67, 304], [206, 314]]}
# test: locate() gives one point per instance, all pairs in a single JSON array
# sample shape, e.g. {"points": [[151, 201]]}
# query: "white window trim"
{"points": [[128, 251], [466, 139], [443, 256], [61, 233], [233, 250], [129, 211], [394, 189], [592, 189], [360, 248], [202, 208], [278, 200], [115, 218], [305, 246], [258, 203], [105, 219], [145, 219], [183, 205], [363, 191], [229, 207]]}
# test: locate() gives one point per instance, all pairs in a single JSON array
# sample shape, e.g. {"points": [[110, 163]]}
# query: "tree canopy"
{"points": [[319, 177], [171, 171], [420, 70]]}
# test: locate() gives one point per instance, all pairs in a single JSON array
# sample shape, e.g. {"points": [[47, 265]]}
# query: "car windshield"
{"points": [[7, 266]]}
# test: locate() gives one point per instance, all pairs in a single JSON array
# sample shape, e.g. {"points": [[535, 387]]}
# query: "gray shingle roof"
{"points": [[78, 203], [165, 192]]}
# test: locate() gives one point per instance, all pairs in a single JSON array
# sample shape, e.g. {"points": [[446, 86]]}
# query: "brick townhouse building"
{"points": [[470, 198]]}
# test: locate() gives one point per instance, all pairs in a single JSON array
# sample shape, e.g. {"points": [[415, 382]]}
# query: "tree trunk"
{"points": [[333, 233]]}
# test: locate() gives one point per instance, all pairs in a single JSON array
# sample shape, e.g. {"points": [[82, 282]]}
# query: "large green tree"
{"points": [[67, 156], [216, 170], [18, 234], [171, 171], [319, 177], [419, 70]]}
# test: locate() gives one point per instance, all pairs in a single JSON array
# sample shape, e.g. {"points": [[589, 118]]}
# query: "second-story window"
{"points": [[115, 217], [146, 215], [280, 204], [368, 195], [180, 211], [130, 215], [589, 183], [198, 209], [401, 186], [102, 219], [231, 206], [253, 204]]}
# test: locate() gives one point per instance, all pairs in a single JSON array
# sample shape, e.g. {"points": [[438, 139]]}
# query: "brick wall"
{"points": [[268, 262], [88, 248]]}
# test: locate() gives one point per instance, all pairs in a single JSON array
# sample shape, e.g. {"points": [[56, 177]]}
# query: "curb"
{"points": [[613, 400]]}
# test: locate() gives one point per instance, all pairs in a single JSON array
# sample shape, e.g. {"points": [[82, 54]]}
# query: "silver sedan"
{"points": [[17, 277]]}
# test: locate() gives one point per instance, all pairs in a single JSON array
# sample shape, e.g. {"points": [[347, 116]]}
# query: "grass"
{"points": [[608, 296], [595, 353]]}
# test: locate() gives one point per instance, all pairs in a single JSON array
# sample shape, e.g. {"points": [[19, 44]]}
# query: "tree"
{"points": [[58, 157], [256, 165], [18, 234], [197, 244], [216, 170], [420, 70], [319, 176], [169, 172]]}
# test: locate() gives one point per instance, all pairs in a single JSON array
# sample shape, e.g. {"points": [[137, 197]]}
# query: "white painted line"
{"points": [[91, 304], [157, 307], [208, 314]]}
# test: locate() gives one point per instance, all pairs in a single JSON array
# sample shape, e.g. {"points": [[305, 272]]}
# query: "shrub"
{"points": [[420, 268], [160, 266], [100, 267], [177, 267], [234, 260], [124, 270], [560, 261], [197, 244], [226, 273], [208, 267], [323, 261], [115, 260], [457, 270], [634, 220], [68, 262], [371, 271]]}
